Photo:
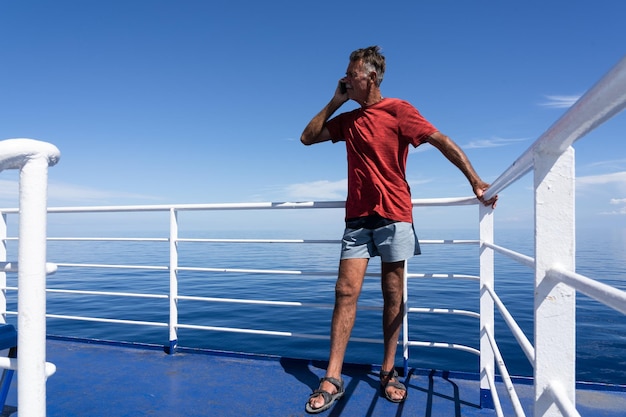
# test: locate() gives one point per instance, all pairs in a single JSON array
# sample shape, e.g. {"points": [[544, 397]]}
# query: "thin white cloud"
{"points": [[319, 190], [495, 142], [614, 178], [560, 102], [592, 182], [60, 193], [416, 183], [620, 210], [608, 164], [69, 193]]}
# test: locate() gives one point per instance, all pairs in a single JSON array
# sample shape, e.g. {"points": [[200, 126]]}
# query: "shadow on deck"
{"points": [[108, 379]]}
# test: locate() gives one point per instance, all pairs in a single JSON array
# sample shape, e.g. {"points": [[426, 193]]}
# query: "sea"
{"points": [[601, 331]]}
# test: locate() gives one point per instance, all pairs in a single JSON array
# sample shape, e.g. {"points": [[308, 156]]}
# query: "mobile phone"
{"points": [[342, 87]]}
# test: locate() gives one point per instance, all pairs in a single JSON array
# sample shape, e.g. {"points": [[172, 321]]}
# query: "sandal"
{"points": [[329, 398], [392, 381]]}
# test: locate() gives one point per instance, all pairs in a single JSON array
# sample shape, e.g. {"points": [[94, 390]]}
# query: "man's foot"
{"points": [[393, 389], [322, 399]]}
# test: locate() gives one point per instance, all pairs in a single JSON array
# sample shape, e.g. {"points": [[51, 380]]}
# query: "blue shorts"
{"points": [[393, 242]]}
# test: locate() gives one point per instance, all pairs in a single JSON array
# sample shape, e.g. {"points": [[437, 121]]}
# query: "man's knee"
{"points": [[346, 289]]}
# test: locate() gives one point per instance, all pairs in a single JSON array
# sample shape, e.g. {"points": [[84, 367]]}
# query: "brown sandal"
{"points": [[392, 381], [329, 399]]}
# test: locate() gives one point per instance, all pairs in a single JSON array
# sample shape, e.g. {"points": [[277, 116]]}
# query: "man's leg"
{"points": [[347, 290], [392, 281]]}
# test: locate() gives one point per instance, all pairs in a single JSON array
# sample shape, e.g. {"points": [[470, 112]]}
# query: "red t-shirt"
{"points": [[377, 142]]}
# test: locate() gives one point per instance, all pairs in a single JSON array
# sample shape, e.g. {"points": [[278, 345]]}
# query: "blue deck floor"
{"points": [[94, 379]]}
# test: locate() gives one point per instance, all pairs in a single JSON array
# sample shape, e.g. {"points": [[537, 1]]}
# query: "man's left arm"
{"points": [[455, 154]]}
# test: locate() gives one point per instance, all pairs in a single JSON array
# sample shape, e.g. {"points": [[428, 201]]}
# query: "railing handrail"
{"points": [[267, 205], [601, 102]]}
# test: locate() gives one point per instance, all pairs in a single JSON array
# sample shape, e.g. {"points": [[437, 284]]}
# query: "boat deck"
{"points": [[109, 379]]}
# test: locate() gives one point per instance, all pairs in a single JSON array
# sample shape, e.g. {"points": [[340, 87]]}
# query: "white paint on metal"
{"points": [[555, 303], [32, 158], [486, 261]]}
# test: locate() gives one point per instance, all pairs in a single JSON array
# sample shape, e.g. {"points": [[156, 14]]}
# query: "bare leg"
{"points": [[347, 291], [392, 282]]}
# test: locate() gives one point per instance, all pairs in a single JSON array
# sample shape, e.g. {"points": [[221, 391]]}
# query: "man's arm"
{"points": [[455, 154], [316, 131]]}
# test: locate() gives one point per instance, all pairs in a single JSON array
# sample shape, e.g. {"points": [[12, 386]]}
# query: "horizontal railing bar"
{"points": [[421, 202], [250, 271], [606, 294], [256, 302], [109, 293], [449, 241], [314, 241], [97, 319], [11, 363], [51, 268], [219, 240], [506, 378], [271, 333], [450, 201], [233, 330], [109, 239], [444, 276], [517, 331], [294, 272], [73, 265], [453, 311], [256, 271], [516, 256], [190, 207], [102, 320], [320, 305], [454, 346]]}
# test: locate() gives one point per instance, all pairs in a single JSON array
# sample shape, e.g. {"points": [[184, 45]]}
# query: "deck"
{"points": [[109, 379]]}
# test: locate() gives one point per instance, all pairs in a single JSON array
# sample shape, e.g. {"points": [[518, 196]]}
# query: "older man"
{"points": [[379, 219]]}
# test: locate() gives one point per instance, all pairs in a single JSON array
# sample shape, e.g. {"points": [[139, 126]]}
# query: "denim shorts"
{"points": [[392, 242]]}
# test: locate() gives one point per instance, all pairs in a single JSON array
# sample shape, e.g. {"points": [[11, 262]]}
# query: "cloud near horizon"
{"points": [[319, 190], [613, 178], [60, 193], [616, 178], [491, 143], [560, 102]]}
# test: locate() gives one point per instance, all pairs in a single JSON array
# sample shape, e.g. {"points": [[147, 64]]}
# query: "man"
{"points": [[379, 220]]}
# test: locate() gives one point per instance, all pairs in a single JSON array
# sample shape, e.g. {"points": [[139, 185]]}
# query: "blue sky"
{"points": [[160, 102]]}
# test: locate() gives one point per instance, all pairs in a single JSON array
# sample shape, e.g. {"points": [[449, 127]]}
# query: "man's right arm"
{"points": [[316, 131]]}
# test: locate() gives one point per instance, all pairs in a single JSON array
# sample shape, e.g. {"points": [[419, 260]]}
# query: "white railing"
{"points": [[551, 158], [32, 158]]}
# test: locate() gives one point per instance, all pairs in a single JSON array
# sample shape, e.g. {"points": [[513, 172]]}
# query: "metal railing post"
{"points": [[486, 260], [3, 275], [173, 296], [405, 318], [31, 390], [555, 302]]}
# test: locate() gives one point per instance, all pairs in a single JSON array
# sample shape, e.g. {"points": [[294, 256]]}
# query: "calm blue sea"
{"points": [[601, 332]]}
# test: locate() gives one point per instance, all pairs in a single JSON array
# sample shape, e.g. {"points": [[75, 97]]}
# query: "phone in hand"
{"points": [[342, 87]]}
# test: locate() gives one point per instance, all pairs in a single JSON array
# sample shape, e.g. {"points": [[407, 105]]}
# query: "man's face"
{"points": [[357, 81]]}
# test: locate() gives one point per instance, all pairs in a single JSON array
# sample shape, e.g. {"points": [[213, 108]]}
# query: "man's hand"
{"points": [[479, 190], [315, 131]]}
